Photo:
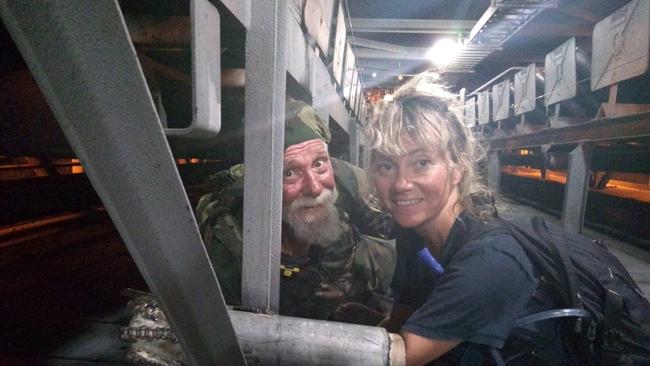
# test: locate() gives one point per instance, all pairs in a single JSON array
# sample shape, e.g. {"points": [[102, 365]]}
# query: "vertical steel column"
{"points": [[263, 153], [81, 56], [494, 171], [576, 188], [353, 128]]}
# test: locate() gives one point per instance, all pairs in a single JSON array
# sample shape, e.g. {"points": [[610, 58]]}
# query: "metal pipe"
{"points": [[282, 340], [489, 82]]}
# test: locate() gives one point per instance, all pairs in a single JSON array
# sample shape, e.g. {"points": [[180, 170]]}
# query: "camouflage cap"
{"points": [[303, 124]]}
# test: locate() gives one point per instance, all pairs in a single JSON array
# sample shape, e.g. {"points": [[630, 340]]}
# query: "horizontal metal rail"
{"points": [[632, 127]]}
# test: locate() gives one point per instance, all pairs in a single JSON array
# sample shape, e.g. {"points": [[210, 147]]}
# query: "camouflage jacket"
{"points": [[359, 266]]}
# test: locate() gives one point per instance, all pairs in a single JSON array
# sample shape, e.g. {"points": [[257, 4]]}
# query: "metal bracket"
{"points": [[206, 74]]}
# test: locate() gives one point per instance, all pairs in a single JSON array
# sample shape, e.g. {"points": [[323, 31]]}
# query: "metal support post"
{"points": [[354, 141], [494, 170], [576, 189], [81, 56], [263, 154]]}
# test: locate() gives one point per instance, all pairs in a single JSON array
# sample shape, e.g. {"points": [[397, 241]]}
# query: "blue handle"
{"points": [[425, 256]]}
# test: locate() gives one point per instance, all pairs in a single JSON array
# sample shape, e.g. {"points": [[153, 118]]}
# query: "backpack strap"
{"points": [[612, 325], [559, 243], [555, 241]]}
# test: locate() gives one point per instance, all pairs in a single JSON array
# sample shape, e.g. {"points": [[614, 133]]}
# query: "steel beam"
{"points": [[605, 129], [354, 141], [433, 26], [82, 58], [576, 188], [263, 153], [389, 55], [385, 46], [241, 9]]}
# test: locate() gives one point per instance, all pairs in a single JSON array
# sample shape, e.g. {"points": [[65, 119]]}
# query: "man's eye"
{"points": [[423, 163], [319, 163], [288, 173]]}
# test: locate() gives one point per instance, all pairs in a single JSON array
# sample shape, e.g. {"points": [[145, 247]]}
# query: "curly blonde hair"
{"points": [[425, 111]]}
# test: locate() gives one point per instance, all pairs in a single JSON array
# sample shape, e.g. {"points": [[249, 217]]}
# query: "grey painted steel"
{"points": [[385, 46], [298, 52], [263, 153], [241, 9], [494, 79], [560, 67], [325, 99], [365, 53], [285, 341], [206, 75], [621, 45], [354, 90], [576, 188], [525, 90], [434, 26], [354, 141], [101, 101], [318, 21], [500, 22], [494, 170], [483, 102], [323, 93], [501, 100], [339, 46], [348, 71], [340, 115], [470, 112]]}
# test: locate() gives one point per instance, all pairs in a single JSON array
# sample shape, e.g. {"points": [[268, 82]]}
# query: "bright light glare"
{"points": [[443, 52], [400, 77], [388, 98], [374, 74]]}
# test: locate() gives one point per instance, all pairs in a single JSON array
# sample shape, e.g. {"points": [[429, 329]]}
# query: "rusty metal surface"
{"points": [[620, 45], [501, 100], [560, 66], [484, 107], [605, 129], [524, 90]]}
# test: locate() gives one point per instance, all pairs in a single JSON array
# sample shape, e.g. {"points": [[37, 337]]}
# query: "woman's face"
{"points": [[415, 187]]}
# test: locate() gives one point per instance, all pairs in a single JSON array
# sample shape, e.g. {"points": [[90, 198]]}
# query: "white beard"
{"points": [[322, 228]]}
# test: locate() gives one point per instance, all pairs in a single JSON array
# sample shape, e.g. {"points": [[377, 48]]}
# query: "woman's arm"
{"points": [[420, 350]]}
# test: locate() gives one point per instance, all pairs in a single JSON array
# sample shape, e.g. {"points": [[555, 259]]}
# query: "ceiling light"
{"points": [[374, 74], [443, 52], [400, 77]]}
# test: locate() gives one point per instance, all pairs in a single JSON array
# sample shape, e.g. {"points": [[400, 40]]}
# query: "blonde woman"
{"points": [[459, 287]]}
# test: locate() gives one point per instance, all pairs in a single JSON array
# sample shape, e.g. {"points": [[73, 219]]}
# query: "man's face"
{"points": [[308, 180]]}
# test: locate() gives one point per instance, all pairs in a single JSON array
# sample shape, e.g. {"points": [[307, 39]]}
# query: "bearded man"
{"points": [[334, 265]]}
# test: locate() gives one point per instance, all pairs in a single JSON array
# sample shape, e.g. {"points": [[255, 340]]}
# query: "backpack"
{"points": [[613, 316]]}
